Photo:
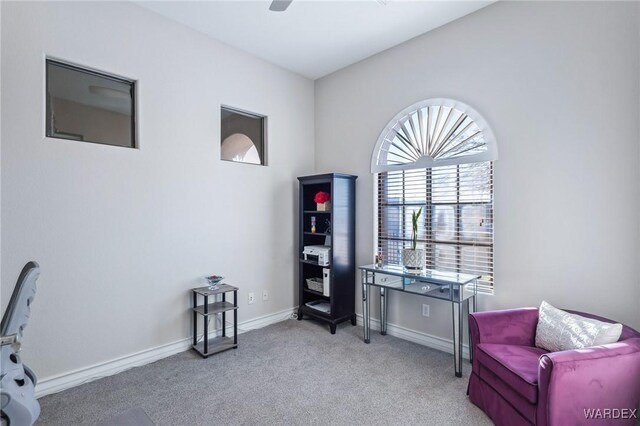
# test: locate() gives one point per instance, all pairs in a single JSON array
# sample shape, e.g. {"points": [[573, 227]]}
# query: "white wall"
{"points": [[122, 234], [1, 290], [559, 84]]}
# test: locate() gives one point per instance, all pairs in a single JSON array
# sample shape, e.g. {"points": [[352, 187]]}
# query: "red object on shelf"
{"points": [[322, 197]]}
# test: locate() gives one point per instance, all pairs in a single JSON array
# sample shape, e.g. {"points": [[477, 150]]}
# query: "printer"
{"points": [[320, 254]]}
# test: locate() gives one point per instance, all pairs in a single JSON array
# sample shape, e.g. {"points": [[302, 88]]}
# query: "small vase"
{"points": [[413, 259], [324, 207]]}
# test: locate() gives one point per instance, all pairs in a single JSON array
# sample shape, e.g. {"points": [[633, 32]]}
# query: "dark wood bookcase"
{"points": [[342, 217]]}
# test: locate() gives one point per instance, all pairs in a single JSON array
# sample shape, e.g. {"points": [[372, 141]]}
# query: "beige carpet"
{"points": [[293, 372]]}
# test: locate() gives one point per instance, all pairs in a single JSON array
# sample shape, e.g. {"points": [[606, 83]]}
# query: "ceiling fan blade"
{"points": [[279, 5]]}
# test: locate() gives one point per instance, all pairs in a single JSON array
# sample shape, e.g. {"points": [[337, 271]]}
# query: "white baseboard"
{"points": [[418, 337], [70, 379]]}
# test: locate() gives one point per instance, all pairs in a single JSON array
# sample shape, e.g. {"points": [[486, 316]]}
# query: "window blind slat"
{"points": [[456, 227]]}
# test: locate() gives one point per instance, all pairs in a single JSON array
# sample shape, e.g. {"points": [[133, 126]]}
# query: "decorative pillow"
{"points": [[558, 330]]}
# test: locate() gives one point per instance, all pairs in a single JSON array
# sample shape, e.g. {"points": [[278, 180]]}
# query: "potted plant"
{"points": [[323, 201], [413, 258]]}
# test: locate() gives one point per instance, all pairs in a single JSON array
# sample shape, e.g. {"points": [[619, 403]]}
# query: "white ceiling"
{"points": [[314, 38]]}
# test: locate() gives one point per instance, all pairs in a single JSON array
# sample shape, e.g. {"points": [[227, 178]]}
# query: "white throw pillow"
{"points": [[558, 330]]}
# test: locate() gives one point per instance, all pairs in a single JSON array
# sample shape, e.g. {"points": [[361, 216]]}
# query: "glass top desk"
{"points": [[453, 287]]}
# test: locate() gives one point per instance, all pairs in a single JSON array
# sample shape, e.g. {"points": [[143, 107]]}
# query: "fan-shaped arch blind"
{"points": [[435, 132]]}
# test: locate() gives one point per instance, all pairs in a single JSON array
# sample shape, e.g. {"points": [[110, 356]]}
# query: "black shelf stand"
{"points": [[342, 216], [221, 343]]}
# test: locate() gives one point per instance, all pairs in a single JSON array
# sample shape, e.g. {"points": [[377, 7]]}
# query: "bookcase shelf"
{"points": [[339, 224], [311, 262], [317, 293]]}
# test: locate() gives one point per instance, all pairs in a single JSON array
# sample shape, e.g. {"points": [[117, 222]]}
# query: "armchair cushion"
{"points": [[558, 330], [510, 326], [516, 366]]}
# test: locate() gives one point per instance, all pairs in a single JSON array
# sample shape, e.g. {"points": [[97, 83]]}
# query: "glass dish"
{"points": [[213, 280]]}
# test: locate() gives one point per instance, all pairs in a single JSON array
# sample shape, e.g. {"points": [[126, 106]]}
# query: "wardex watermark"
{"points": [[610, 413]]}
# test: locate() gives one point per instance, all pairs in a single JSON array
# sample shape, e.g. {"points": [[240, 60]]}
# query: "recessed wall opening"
{"points": [[243, 136], [89, 106]]}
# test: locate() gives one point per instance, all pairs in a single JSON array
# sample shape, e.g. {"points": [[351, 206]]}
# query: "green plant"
{"points": [[414, 233]]}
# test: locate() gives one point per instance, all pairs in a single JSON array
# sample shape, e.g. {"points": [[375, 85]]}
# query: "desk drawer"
{"points": [[388, 280]]}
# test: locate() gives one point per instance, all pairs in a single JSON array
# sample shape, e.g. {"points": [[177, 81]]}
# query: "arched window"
{"points": [[437, 155]]}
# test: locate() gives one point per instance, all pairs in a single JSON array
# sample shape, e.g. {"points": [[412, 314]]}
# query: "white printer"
{"points": [[320, 254]]}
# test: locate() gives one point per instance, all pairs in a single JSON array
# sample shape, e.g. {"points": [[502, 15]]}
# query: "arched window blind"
{"points": [[437, 155]]}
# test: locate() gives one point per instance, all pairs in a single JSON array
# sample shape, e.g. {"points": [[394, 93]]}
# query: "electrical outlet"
{"points": [[425, 310], [252, 298], [265, 295]]}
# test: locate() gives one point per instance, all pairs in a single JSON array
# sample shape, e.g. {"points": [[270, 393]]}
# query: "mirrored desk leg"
{"points": [[383, 310], [456, 309], [473, 307], [365, 305], [475, 295], [469, 311]]}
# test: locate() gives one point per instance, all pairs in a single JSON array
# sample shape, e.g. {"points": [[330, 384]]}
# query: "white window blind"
{"points": [[433, 133], [456, 226]]}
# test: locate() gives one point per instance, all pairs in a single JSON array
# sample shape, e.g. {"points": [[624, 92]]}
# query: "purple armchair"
{"points": [[516, 383]]}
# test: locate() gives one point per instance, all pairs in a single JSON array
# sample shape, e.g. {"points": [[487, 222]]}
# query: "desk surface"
{"points": [[426, 275]]}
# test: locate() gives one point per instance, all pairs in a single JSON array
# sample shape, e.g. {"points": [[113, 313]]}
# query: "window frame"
{"points": [[49, 132], [427, 220], [418, 135], [264, 157]]}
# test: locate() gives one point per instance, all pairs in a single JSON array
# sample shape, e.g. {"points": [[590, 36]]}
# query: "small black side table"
{"points": [[221, 343]]}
